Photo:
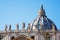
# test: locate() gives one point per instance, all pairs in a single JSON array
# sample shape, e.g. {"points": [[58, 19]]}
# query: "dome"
{"points": [[42, 22]]}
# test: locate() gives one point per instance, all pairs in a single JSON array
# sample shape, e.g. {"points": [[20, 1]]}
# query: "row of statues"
{"points": [[17, 27], [23, 26], [6, 27]]}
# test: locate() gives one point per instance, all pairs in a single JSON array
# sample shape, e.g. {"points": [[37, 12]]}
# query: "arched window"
{"points": [[12, 38], [32, 37], [47, 36]]}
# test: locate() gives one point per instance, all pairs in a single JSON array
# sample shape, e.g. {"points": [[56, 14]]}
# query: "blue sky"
{"points": [[18, 11]]}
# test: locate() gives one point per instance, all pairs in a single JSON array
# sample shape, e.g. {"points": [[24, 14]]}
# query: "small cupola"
{"points": [[41, 12]]}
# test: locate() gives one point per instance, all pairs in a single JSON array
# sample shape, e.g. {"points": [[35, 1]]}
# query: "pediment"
{"points": [[22, 37]]}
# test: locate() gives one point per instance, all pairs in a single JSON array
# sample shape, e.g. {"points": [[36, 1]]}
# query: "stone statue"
{"points": [[17, 27], [53, 27], [5, 28], [10, 27], [23, 25], [29, 26]]}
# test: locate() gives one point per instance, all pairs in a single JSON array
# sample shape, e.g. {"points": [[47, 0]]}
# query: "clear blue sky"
{"points": [[18, 11]]}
